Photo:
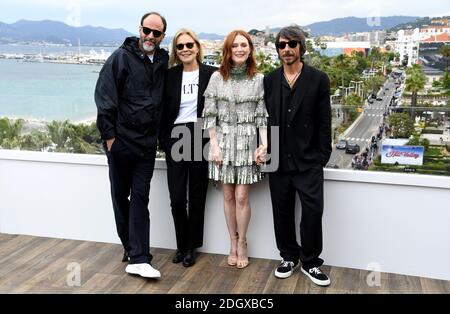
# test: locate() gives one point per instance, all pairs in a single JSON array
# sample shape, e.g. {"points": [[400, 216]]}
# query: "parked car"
{"points": [[352, 148], [342, 144], [370, 101]]}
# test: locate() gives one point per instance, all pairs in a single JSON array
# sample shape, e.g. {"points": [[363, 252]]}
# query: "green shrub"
{"points": [[432, 131]]}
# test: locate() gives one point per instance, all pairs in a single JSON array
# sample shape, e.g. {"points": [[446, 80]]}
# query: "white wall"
{"points": [[401, 222]]}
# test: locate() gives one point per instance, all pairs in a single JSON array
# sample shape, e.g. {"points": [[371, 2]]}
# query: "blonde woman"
{"points": [[186, 82]]}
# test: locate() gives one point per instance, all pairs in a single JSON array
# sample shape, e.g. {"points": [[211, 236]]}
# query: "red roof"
{"points": [[442, 38], [424, 29]]}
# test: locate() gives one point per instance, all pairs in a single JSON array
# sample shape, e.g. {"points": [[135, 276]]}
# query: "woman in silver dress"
{"points": [[234, 113]]}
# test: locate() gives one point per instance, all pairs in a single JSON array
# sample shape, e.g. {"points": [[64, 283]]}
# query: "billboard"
{"points": [[402, 155]]}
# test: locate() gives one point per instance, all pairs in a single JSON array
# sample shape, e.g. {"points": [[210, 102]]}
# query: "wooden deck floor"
{"points": [[40, 265]]}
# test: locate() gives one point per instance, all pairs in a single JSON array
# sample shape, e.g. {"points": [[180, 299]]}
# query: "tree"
{"points": [[353, 100], [218, 56], [373, 84], [58, 135], [265, 63], [401, 124], [417, 141], [415, 82], [35, 141], [445, 82], [10, 133], [445, 52]]}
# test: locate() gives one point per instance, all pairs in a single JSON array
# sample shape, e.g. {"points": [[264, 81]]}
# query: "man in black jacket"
{"points": [[128, 95], [298, 102]]}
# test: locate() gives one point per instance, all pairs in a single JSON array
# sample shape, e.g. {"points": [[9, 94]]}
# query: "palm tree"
{"points": [[373, 84], [35, 140], [265, 64], [10, 131], [415, 82], [61, 134]]}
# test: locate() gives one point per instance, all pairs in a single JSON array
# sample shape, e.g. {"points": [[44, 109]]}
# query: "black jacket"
{"points": [[309, 127], [129, 94], [172, 97]]}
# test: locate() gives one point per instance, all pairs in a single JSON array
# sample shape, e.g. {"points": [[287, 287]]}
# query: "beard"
{"points": [[292, 61], [147, 48]]}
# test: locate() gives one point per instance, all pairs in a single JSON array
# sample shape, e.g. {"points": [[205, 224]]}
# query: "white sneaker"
{"points": [[144, 270]]}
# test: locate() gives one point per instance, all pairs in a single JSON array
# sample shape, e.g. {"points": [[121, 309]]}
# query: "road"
{"points": [[366, 127]]}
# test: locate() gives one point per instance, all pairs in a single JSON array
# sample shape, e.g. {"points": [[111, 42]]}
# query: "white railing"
{"points": [[397, 222]]}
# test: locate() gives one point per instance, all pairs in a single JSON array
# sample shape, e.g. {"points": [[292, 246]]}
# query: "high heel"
{"points": [[232, 258], [242, 260]]}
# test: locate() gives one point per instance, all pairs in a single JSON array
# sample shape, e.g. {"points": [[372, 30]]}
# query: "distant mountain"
{"points": [[210, 36], [354, 24], [419, 23], [58, 32]]}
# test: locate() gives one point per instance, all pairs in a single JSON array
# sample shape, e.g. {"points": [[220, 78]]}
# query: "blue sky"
{"points": [[212, 16]]}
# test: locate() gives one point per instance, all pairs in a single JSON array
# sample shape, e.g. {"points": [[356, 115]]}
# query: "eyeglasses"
{"points": [[155, 32], [282, 45], [188, 46]]}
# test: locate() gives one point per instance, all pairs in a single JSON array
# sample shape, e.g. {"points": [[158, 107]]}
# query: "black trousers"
{"points": [[309, 186], [130, 177], [188, 184]]}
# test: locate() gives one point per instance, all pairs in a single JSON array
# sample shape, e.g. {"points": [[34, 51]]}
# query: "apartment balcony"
{"points": [[388, 222]]}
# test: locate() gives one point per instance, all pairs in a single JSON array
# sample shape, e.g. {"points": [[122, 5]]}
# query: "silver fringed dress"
{"points": [[236, 109]]}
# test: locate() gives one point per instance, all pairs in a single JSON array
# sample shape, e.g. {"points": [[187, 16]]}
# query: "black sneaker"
{"points": [[286, 269], [316, 276]]}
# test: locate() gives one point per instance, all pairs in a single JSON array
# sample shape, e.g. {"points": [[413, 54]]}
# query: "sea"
{"points": [[48, 91]]}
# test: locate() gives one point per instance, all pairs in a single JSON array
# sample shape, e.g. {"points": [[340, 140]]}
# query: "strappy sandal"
{"points": [[232, 259], [242, 260]]}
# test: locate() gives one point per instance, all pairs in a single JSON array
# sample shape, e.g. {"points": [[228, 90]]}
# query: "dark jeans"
{"points": [[188, 184], [309, 186], [130, 177]]}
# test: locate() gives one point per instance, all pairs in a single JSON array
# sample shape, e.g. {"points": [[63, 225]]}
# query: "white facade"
{"points": [[407, 45], [377, 38], [427, 32], [408, 41], [397, 222], [346, 44]]}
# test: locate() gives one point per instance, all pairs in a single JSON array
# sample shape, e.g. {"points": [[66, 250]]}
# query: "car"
{"points": [[352, 148], [379, 98], [342, 144], [370, 101]]}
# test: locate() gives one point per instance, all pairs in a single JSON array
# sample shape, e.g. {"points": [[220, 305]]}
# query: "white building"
{"points": [[377, 38], [408, 41], [407, 45]]}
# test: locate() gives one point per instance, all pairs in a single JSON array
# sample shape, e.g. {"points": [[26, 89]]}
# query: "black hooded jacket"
{"points": [[129, 96]]}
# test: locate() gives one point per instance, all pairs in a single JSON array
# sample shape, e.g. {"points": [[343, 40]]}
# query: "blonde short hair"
{"points": [[174, 60]]}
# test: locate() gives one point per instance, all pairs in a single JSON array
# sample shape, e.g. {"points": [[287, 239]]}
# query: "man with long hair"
{"points": [[298, 102]]}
